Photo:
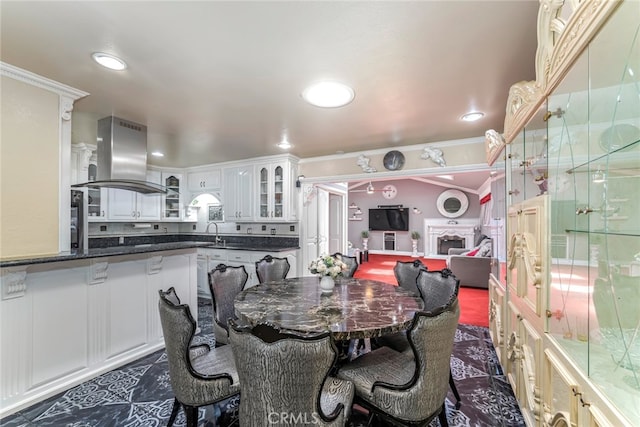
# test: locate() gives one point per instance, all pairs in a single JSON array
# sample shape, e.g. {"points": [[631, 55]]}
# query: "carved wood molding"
{"points": [[154, 265], [564, 30], [14, 283], [532, 260], [493, 145], [97, 272], [514, 251]]}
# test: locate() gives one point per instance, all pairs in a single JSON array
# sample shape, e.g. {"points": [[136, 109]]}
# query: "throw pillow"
{"points": [[472, 252], [484, 250], [479, 239]]}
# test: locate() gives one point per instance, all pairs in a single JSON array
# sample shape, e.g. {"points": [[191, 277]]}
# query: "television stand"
{"points": [[389, 240]]}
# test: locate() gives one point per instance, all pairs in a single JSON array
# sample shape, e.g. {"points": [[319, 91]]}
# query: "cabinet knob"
{"points": [[514, 192], [133, 214]]}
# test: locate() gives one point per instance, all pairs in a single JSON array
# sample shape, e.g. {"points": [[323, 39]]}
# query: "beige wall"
{"points": [[29, 176]]}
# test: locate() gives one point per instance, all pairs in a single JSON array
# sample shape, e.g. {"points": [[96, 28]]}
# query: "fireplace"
{"points": [[440, 235], [447, 242]]}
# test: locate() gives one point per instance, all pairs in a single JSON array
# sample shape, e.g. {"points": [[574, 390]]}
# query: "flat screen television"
{"points": [[389, 219]]}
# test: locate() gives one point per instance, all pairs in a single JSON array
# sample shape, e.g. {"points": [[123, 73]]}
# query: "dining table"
{"points": [[354, 309]]}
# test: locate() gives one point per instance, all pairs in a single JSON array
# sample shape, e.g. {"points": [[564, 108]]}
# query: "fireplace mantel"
{"points": [[434, 228]]}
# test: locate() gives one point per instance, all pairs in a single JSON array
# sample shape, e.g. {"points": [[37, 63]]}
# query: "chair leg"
{"points": [[443, 416], [192, 415], [452, 385], [174, 412]]}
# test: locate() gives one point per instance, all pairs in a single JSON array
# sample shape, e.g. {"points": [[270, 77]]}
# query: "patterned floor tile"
{"points": [[139, 394]]}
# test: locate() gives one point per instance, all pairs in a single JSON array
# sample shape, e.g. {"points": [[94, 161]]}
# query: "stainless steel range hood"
{"points": [[122, 157]]}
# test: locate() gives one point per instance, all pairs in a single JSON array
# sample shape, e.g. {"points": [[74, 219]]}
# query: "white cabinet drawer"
{"points": [[239, 256], [217, 254]]}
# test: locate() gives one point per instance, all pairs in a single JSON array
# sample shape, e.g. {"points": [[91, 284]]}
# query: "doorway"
{"points": [[323, 221]]}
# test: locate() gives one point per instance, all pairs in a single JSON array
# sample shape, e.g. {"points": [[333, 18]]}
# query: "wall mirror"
{"points": [[452, 203]]}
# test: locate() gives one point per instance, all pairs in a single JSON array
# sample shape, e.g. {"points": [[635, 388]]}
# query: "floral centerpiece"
{"points": [[326, 265]]}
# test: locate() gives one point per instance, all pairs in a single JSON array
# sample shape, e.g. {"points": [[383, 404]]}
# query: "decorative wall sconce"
{"points": [[416, 211], [299, 181]]}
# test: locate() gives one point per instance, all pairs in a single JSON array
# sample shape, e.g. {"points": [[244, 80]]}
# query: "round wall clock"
{"points": [[393, 160], [389, 191]]}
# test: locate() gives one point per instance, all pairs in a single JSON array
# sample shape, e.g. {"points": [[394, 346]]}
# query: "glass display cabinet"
{"points": [[594, 182], [565, 318]]}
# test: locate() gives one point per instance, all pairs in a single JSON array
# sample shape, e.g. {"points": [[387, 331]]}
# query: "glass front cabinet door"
{"points": [[172, 205], [594, 189], [565, 311], [275, 188]]}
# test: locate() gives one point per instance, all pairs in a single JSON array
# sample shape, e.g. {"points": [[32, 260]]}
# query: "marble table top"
{"points": [[357, 308]]}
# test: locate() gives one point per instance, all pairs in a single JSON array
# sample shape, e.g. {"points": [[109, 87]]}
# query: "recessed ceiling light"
{"points": [[328, 94], [157, 154], [472, 117], [284, 143], [109, 61]]}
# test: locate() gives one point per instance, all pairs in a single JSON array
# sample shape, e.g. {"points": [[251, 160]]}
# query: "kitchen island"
{"points": [[68, 318]]}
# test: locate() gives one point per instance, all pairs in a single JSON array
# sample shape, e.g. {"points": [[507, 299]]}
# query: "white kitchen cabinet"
{"points": [[200, 181], [244, 258], [238, 193], [208, 259], [236, 258], [97, 204], [72, 321], [274, 192], [125, 205], [172, 201]]}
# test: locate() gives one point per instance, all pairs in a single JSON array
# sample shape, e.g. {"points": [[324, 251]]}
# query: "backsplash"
{"points": [[116, 229], [237, 240]]}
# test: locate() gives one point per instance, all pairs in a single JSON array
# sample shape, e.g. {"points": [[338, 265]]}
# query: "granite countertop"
{"points": [[138, 249]]}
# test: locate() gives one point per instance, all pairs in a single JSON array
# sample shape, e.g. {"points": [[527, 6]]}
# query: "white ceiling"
{"points": [[220, 81]]}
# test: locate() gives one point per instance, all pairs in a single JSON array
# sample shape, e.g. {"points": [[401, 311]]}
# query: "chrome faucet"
{"points": [[217, 236]]}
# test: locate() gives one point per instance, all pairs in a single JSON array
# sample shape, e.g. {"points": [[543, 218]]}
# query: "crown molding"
{"points": [[8, 70], [564, 31]]}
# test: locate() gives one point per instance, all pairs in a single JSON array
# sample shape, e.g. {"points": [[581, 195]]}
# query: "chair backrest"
{"points": [[281, 372], [437, 288], [431, 337], [225, 283], [178, 328], [271, 268], [407, 272], [351, 261]]}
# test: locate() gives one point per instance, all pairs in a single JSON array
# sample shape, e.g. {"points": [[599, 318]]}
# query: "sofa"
{"points": [[473, 266]]}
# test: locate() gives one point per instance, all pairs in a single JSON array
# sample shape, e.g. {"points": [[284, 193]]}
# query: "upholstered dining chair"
{"points": [[285, 374], [199, 376], [351, 261], [407, 272], [437, 289], [271, 269], [225, 282], [408, 389]]}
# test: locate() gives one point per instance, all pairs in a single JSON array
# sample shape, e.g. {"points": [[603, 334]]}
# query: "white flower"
{"points": [[327, 265]]}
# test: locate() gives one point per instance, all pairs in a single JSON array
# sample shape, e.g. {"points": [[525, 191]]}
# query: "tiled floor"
{"points": [[139, 394]]}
